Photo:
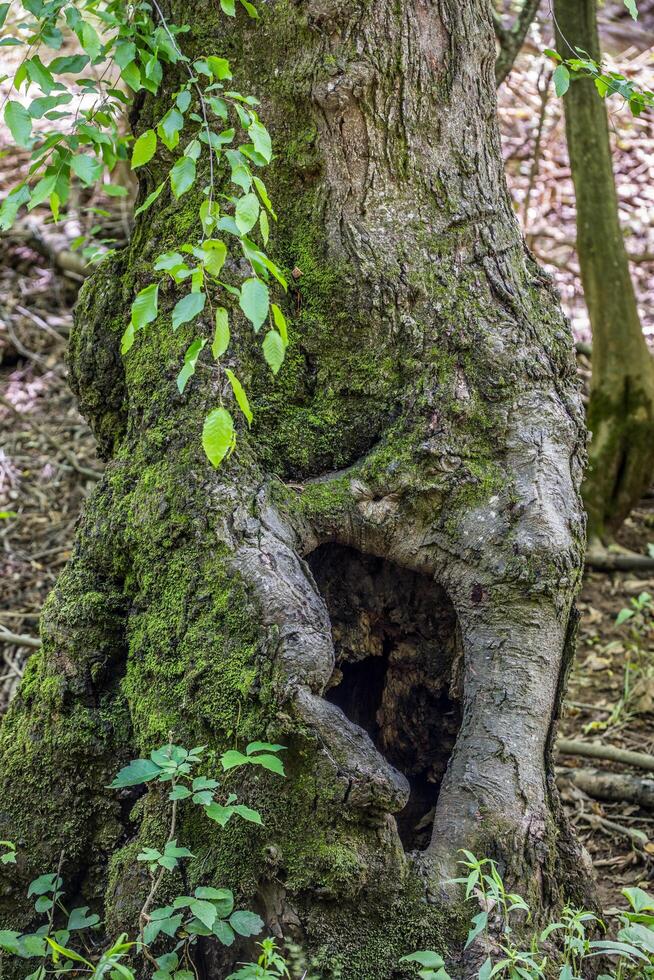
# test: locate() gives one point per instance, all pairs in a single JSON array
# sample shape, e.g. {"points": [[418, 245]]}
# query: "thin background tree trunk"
{"points": [[621, 407]]}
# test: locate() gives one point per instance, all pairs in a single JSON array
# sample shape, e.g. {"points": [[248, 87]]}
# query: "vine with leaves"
{"points": [[212, 128]]}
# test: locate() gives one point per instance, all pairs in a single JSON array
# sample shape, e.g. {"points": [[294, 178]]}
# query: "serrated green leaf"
{"points": [[561, 80], [144, 148], [273, 350], [223, 932], [187, 308], [170, 126], [206, 912], [270, 762], [214, 255], [138, 771], [246, 212], [219, 67], [182, 176], [240, 396], [145, 306], [88, 168], [254, 301], [19, 122], [190, 361], [150, 199], [221, 335], [218, 435], [261, 140], [246, 923]]}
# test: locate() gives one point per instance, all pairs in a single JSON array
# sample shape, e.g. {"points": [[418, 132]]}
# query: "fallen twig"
{"points": [[612, 786], [19, 639], [594, 750]]}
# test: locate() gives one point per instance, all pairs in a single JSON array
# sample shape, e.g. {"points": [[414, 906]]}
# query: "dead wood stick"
{"points": [[631, 833], [19, 639], [64, 450], [613, 786], [609, 562], [593, 750]]}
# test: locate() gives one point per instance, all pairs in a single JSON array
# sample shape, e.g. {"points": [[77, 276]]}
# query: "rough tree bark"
{"points": [[621, 407], [399, 540]]}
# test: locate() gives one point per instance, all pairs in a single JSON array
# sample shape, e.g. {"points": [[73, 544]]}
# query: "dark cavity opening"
{"points": [[398, 657]]}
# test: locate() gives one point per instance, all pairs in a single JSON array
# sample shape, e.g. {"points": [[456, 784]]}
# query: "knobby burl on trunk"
{"points": [[412, 476]]}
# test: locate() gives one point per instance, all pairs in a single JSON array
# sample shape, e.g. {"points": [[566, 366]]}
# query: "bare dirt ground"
{"points": [[48, 464]]}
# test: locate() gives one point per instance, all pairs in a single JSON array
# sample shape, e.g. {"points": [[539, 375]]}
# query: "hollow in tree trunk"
{"points": [[621, 407], [382, 577]]}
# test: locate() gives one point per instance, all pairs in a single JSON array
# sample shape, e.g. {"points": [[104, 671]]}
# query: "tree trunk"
{"points": [[621, 408], [382, 576]]}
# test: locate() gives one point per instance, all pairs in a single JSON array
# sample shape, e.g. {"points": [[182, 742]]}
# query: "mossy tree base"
{"points": [[424, 438]]}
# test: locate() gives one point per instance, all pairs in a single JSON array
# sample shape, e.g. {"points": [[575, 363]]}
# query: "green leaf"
{"points": [[69, 64], [263, 747], [150, 199], [187, 308], [9, 940], [254, 301], [180, 792], [247, 212], [425, 957], [144, 148], [623, 616], [632, 8], [12, 204], [215, 253], [138, 771], [43, 885], [168, 261], [273, 350], [182, 176], [19, 123], [206, 912], [128, 338], [169, 128], [87, 168], [183, 100], [4, 9], [219, 67], [90, 40], [39, 74], [222, 898], [246, 923], [228, 7], [561, 80], [280, 323], [42, 191], [68, 954], [190, 360], [261, 140], [219, 813], [145, 306], [270, 762], [246, 813], [239, 395], [218, 435], [221, 336], [223, 932], [79, 919], [233, 758], [479, 924]]}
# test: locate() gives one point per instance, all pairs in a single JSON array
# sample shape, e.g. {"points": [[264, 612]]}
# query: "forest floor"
{"points": [[48, 464]]}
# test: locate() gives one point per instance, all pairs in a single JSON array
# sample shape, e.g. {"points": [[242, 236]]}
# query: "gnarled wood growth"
{"points": [[397, 544]]}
